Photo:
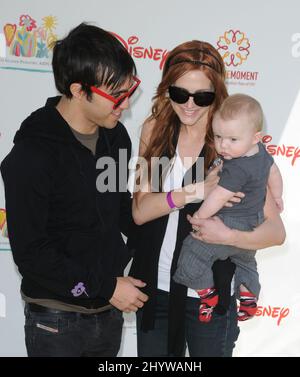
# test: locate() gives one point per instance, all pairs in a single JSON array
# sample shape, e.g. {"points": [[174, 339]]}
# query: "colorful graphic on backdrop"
{"points": [[4, 243], [29, 44], [292, 152], [3, 225], [234, 47], [275, 312], [141, 52]]}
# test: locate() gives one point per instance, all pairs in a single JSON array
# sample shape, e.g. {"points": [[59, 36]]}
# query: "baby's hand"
{"points": [[279, 204]]}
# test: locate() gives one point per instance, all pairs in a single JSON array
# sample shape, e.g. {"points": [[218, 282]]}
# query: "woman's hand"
{"points": [[211, 230], [196, 192]]}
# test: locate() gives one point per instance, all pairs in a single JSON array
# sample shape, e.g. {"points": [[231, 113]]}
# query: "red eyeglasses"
{"points": [[119, 100]]}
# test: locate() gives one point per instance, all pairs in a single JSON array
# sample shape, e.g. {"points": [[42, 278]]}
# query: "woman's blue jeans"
{"points": [[214, 339]]}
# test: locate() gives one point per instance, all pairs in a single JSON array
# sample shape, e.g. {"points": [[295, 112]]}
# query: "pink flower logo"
{"points": [[233, 47]]}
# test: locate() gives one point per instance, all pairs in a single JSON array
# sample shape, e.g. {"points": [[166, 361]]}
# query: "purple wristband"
{"points": [[170, 202]]}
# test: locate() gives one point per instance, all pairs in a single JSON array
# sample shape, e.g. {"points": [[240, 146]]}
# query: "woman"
{"points": [[191, 90]]}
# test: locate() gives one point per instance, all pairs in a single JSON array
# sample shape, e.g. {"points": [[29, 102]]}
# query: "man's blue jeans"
{"points": [[68, 334], [214, 339]]}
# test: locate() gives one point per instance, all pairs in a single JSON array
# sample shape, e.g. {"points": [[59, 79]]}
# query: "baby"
{"points": [[248, 168]]}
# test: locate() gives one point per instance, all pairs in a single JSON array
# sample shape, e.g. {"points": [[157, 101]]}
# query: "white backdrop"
{"points": [[262, 41]]}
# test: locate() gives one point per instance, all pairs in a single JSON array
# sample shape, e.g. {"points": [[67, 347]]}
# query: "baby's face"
{"points": [[234, 138]]}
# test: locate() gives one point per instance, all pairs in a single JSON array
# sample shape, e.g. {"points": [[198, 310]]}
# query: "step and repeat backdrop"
{"points": [[260, 45]]}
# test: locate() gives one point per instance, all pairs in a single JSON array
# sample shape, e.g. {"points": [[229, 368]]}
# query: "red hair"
{"points": [[189, 56]]}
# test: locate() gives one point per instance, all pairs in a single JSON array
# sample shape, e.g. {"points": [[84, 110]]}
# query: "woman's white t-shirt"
{"points": [[172, 181]]}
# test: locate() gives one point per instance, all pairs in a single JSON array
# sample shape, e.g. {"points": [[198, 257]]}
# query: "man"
{"points": [[65, 234]]}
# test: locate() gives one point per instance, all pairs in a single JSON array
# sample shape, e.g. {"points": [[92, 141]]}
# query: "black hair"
{"points": [[90, 56]]}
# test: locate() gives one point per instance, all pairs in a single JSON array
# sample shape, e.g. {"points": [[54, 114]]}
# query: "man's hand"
{"points": [[127, 297], [211, 230]]}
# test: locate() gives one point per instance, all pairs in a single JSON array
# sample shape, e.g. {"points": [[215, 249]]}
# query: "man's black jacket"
{"points": [[65, 235]]}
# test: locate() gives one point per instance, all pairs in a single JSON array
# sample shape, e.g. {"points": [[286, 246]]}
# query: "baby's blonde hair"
{"points": [[241, 104]]}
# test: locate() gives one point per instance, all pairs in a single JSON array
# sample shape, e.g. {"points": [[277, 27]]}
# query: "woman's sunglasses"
{"points": [[119, 100], [201, 98]]}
